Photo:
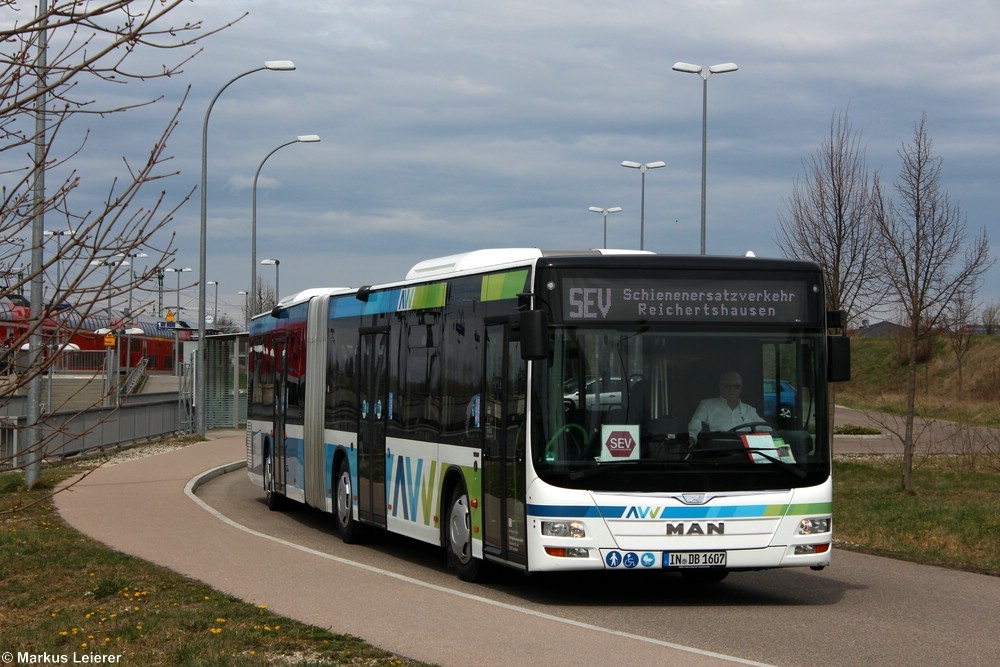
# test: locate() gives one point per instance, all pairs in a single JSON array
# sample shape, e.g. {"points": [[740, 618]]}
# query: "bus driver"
{"points": [[723, 412]]}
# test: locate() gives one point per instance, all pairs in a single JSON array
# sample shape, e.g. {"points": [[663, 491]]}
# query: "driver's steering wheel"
{"points": [[753, 426], [550, 446]]}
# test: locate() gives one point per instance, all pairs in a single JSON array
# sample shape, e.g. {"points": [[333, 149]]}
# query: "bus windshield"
{"points": [[619, 409]]}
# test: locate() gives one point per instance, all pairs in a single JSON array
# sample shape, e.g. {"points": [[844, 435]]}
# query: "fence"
{"points": [[140, 416], [66, 434], [226, 378], [82, 360]]}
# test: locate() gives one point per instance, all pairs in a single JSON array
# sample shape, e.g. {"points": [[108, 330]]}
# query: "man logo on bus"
{"points": [[620, 444]]}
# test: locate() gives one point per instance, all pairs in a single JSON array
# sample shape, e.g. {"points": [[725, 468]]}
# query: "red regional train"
{"points": [[67, 329]]}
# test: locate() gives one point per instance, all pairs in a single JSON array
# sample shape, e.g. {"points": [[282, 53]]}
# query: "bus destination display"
{"points": [[627, 299]]}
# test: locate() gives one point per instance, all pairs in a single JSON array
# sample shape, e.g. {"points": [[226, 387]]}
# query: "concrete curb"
{"points": [[209, 475]]}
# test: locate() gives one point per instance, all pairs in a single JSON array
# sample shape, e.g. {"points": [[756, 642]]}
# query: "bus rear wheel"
{"points": [[458, 536], [275, 501], [344, 505]]}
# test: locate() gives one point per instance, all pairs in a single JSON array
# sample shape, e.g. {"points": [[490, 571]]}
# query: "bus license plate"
{"points": [[694, 559]]}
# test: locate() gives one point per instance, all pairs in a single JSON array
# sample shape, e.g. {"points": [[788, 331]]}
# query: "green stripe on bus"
{"points": [[811, 508], [500, 286], [430, 296], [798, 509]]}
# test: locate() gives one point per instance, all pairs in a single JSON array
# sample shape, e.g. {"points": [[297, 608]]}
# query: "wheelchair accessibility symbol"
{"points": [[629, 559]]}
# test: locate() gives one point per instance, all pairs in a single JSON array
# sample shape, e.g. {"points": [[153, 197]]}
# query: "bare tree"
{"points": [[49, 60], [227, 325], [990, 318], [263, 301], [926, 261], [956, 324], [830, 218]]}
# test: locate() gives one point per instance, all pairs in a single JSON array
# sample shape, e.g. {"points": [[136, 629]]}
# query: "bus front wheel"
{"points": [[344, 505], [458, 536]]}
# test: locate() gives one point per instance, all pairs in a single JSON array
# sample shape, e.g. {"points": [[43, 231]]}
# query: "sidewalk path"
{"points": [[140, 507]]}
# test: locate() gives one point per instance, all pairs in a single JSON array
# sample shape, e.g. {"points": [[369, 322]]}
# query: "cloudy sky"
{"points": [[449, 126]]}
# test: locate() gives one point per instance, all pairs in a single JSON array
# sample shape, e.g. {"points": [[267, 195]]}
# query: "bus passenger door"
{"points": [[278, 460], [504, 411], [374, 408]]}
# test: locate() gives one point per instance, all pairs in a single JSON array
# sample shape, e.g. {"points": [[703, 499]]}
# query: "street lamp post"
{"points": [[215, 310], [32, 441], [177, 317], [58, 233], [159, 292], [302, 138], [128, 314], [111, 264], [704, 73], [55, 302], [201, 389], [604, 212], [131, 285], [246, 308], [643, 168], [277, 289], [171, 269], [112, 363]]}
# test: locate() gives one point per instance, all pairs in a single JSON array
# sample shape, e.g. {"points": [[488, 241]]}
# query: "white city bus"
{"points": [[532, 408]]}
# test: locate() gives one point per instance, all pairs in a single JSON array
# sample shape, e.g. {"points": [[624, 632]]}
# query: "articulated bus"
{"points": [[533, 409]]}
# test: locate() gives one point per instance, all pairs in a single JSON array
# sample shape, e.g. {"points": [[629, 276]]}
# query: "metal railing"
{"points": [[185, 398], [67, 434], [132, 380]]}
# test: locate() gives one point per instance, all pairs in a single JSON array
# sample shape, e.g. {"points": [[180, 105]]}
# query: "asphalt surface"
{"points": [[147, 507], [931, 436]]}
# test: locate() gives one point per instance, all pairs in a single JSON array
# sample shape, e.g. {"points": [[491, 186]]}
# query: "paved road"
{"points": [[868, 444], [932, 436], [140, 507], [398, 595]]}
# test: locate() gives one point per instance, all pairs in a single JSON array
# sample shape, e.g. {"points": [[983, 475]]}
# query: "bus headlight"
{"points": [[563, 529], [814, 526]]}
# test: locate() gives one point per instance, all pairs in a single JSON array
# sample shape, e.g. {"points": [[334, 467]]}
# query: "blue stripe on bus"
{"points": [[564, 510], [378, 302], [649, 511]]}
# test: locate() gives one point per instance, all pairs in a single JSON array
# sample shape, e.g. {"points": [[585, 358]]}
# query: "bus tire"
{"points": [[458, 536], [275, 501], [343, 505]]}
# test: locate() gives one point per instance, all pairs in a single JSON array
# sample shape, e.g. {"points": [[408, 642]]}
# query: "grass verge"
{"points": [[65, 594], [951, 516], [966, 392]]}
